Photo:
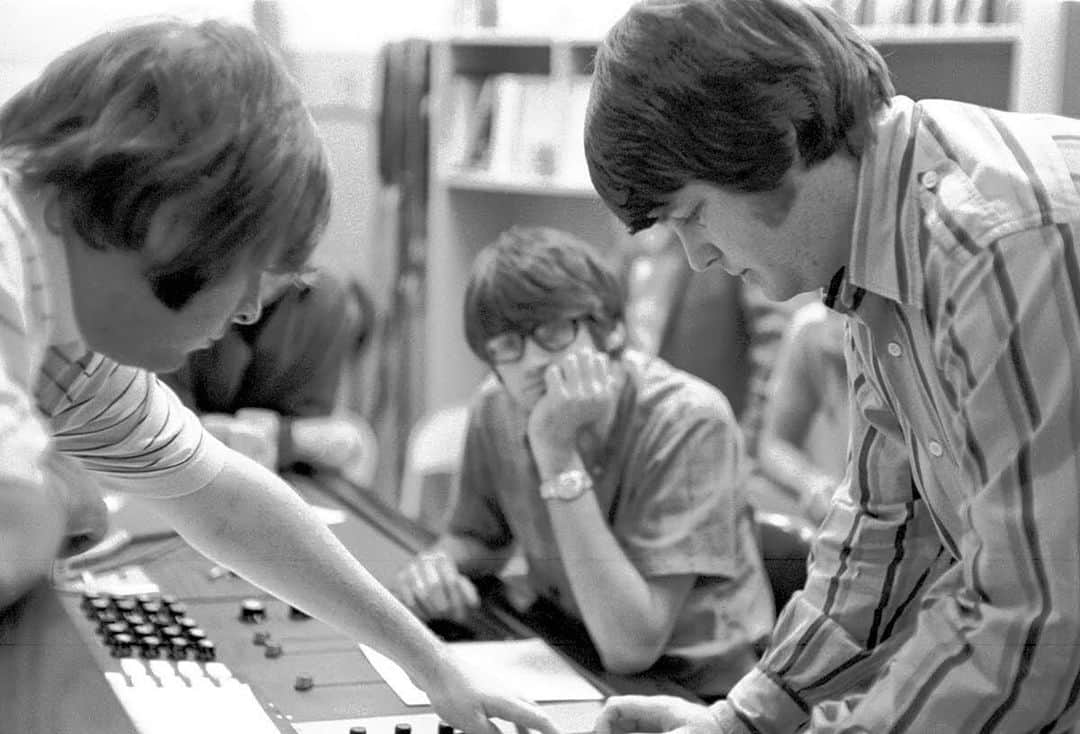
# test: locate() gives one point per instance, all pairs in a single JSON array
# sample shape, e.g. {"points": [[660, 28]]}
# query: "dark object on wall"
{"points": [[403, 167]]}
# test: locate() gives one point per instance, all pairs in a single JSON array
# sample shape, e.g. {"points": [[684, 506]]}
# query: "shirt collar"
{"points": [[50, 248], [883, 260]]}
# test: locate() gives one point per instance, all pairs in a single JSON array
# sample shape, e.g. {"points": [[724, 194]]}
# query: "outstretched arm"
{"points": [[251, 521]]}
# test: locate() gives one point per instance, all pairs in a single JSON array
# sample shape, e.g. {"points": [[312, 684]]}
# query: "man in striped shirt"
{"points": [[944, 585], [150, 179]]}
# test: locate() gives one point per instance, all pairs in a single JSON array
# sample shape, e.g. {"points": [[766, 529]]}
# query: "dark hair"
{"points": [[531, 275], [725, 91], [202, 118]]}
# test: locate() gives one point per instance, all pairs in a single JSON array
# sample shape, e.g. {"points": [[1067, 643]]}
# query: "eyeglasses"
{"points": [[550, 336]]}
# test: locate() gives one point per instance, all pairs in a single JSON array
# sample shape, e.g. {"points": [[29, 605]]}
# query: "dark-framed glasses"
{"points": [[551, 336]]}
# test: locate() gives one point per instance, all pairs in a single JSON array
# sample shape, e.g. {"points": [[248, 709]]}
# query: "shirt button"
{"points": [[935, 448], [929, 179], [894, 349]]}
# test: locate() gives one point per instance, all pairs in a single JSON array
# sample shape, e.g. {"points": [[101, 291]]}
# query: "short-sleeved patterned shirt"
{"points": [[669, 480], [125, 428]]}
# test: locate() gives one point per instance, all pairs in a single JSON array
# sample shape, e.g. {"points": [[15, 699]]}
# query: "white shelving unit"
{"points": [[992, 64]]}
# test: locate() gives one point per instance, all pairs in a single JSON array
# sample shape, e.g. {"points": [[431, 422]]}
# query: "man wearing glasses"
{"points": [[619, 477]]}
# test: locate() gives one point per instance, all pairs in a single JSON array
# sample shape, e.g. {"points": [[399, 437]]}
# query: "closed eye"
{"points": [[693, 218]]}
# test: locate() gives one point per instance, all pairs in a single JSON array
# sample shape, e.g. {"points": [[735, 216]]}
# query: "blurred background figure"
{"points": [[804, 439], [711, 325], [269, 387]]}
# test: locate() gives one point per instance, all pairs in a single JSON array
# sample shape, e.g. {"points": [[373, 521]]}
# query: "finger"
{"points": [[554, 380], [435, 592], [521, 712], [574, 369], [450, 583], [421, 592], [632, 714], [468, 592]]}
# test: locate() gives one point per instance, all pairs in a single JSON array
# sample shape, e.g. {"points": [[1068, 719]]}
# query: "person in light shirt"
{"points": [[943, 579], [620, 477], [150, 180]]}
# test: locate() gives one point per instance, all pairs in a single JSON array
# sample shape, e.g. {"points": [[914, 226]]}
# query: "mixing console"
{"points": [[209, 652]]}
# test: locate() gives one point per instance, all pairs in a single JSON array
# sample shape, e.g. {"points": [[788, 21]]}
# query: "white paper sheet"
{"points": [[530, 665]]}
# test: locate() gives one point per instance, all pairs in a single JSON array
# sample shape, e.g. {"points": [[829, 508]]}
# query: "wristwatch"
{"points": [[569, 485]]}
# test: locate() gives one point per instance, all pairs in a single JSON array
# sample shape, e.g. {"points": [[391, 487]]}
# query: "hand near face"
{"points": [[433, 588], [581, 389]]}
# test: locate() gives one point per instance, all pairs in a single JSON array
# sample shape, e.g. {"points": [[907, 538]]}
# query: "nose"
{"points": [[534, 358], [249, 311], [700, 253]]}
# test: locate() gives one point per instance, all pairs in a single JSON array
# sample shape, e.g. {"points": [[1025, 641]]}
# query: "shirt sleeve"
{"points": [[875, 555], [477, 513], [128, 429], [681, 513]]}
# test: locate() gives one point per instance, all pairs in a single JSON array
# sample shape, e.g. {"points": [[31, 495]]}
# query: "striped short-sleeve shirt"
{"points": [[945, 582], [128, 430]]}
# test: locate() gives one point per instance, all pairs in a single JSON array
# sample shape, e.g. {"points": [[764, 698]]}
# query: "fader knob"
{"points": [[150, 646], [121, 645], [304, 682], [357, 730], [445, 728], [178, 647], [402, 729], [205, 651], [252, 611], [273, 650]]}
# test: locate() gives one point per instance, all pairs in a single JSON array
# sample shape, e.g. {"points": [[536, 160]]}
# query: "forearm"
{"points": [[252, 522], [615, 601], [32, 524], [472, 557]]}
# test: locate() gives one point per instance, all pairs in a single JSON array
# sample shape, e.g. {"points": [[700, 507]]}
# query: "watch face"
{"points": [[570, 485]]}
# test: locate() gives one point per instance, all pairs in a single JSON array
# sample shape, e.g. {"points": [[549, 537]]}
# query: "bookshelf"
{"points": [[474, 198]]}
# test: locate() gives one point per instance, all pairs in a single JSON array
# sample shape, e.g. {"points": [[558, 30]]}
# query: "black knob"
{"points": [[252, 611], [150, 646], [112, 629], [445, 728], [273, 650], [125, 605], [134, 618], [357, 730], [178, 648], [143, 599], [97, 607], [145, 630], [195, 634], [104, 620], [205, 651], [260, 638], [402, 729], [121, 645], [87, 598], [168, 599], [304, 682], [187, 623], [173, 630], [151, 608], [178, 609]]}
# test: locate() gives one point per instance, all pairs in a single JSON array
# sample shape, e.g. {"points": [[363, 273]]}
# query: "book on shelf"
{"points": [[519, 127], [921, 13]]}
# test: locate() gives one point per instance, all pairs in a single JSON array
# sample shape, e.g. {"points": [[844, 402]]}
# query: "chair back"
{"points": [[784, 542], [432, 464]]}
